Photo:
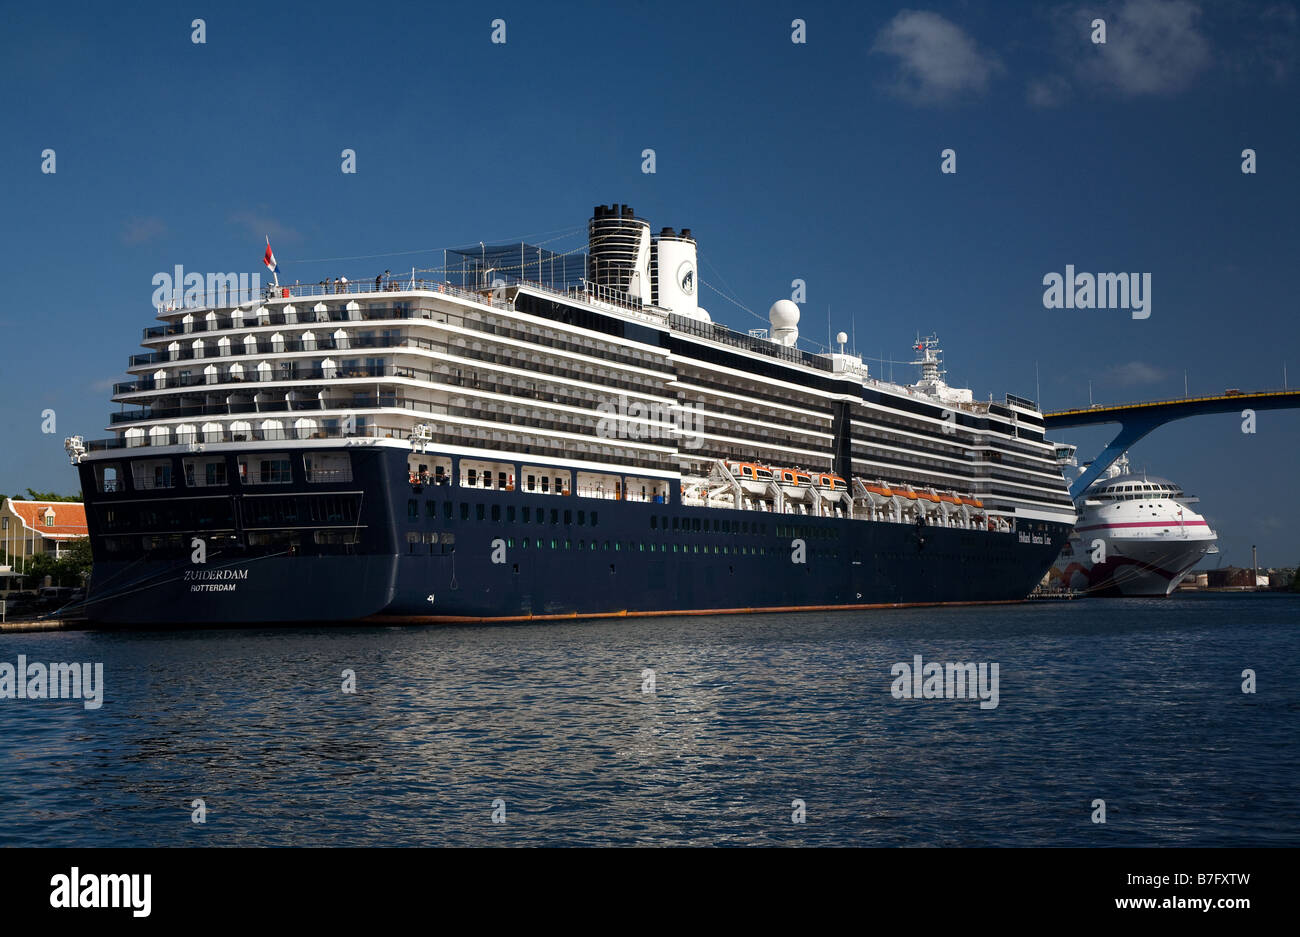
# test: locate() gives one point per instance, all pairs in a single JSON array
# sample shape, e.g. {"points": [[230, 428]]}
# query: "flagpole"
{"points": [[275, 273]]}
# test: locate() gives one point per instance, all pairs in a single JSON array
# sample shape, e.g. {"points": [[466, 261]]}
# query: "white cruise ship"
{"points": [[1137, 535]]}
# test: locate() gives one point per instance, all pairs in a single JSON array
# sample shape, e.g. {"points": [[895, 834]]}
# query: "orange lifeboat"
{"points": [[883, 490], [950, 498], [792, 477], [927, 496], [751, 471], [833, 482]]}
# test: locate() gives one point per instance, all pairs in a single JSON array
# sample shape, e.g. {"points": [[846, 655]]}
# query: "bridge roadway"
{"points": [[1138, 419]]}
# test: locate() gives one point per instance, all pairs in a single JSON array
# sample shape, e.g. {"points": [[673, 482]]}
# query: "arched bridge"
{"points": [[1138, 419]]}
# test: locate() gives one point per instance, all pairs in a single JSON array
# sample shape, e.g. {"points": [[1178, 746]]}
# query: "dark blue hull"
{"points": [[444, 553]]}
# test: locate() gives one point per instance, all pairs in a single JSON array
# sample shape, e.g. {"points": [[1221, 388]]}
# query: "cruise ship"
{"points": [[530, 435], [1137, 535]]}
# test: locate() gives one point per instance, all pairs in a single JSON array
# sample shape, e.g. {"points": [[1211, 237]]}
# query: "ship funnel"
{"points": [[618, 251], [676, 276]]}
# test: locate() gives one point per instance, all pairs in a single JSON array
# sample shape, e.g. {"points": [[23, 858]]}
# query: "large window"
{"points": [[326, 467], [108, 477], [151, 473], [204, 473], [270, 468]]}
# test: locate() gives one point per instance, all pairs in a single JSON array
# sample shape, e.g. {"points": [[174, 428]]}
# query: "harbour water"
{"points": [[1135, 702]]}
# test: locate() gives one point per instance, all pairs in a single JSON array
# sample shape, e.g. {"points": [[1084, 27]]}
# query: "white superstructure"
{"points": [[1137, 535], [620, 373]]}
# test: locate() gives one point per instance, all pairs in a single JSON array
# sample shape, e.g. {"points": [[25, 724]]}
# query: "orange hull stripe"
{"points": [[456, 619]]}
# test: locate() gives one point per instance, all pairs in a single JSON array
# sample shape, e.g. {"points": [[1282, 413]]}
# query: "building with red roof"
{"points": [[33, 528]]}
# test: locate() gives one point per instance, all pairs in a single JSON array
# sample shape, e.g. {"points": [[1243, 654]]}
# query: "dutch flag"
{"points": [[269, 258]]}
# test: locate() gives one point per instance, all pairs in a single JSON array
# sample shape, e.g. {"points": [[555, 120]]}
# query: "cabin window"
{"points": [[269, 469], [328, 467], [151, 474]]}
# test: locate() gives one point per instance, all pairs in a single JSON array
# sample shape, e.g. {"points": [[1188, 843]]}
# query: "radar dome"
{"points": [[842, 337], [784, 314]]}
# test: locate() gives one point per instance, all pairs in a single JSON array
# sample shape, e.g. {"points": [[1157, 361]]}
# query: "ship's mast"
{"points": [[930, 360]]}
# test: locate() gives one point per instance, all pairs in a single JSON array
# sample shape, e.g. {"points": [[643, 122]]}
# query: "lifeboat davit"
{"points": [[905, 501], [831, 486], [880, 494], [753, 477], [795, 483]]}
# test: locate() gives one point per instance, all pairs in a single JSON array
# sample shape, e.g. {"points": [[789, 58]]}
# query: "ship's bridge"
{"points": [[1135, 487]]}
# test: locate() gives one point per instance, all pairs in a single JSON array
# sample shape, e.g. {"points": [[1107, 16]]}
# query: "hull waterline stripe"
{"points": [[459, 619]]}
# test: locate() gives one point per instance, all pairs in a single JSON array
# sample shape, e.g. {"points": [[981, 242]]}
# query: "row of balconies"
{"points": [[329, 370], [278, 344], [266, 318], [218, 322], [576, 425]]}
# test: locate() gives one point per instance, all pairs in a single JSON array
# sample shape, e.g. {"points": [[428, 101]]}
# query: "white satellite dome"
{"points": [[784, 314]]}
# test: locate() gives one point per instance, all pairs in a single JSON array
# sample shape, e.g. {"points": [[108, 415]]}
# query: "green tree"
{"points": [[51, 496], [74, 566]]}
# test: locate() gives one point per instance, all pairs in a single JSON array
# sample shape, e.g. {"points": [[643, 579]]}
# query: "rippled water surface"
{"points": [[1135, 702]]}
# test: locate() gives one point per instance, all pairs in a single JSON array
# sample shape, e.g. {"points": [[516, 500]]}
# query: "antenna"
{"points": [[1090, 393], [1038, 393]]}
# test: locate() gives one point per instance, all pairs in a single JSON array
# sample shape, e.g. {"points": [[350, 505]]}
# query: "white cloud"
{"points": [[1133, 373], [1271, 43], [260, 224], [937, 60], [1047, 92], [1152, 47], [140, 230]]}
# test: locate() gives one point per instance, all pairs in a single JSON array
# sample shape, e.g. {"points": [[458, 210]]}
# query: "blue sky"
{"points": [[818, 161]]}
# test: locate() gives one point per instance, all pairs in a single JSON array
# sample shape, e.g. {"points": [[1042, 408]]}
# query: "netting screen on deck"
{"points": [[481, 266]]}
